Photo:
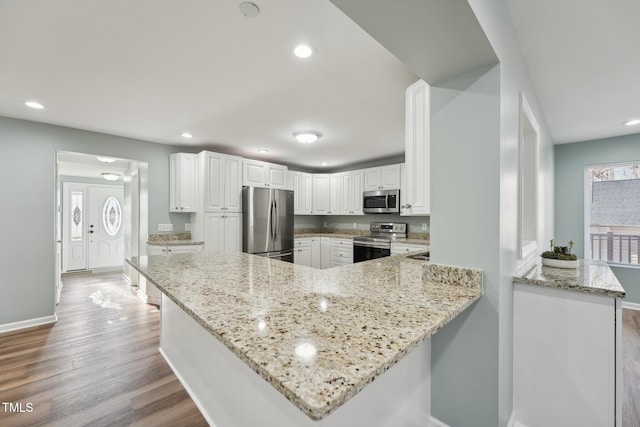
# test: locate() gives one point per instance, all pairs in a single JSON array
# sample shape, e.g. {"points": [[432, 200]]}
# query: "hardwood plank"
{"points": [[99, 365]]}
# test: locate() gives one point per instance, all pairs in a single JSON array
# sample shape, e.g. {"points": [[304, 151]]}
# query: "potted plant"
{"points": [[560, 256]]}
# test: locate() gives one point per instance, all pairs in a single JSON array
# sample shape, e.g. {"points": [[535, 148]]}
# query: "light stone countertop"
{"points": [[594, 277], [354, 322], [414, 238], [174, 242]]}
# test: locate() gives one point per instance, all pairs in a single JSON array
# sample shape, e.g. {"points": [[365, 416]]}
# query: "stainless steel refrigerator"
{"points": [[267, 222]]}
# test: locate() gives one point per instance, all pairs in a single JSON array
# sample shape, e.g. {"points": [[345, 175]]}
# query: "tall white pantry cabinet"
{"points": [[218, 217]]}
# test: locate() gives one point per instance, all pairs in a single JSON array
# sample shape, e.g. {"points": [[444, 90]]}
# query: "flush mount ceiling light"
{"points": [[34, 104], [110, 176], [303, 51], [307, 136], [263, 150], [105, 159], [632, 122], [248, 9], [186, 135], [323, 164]]}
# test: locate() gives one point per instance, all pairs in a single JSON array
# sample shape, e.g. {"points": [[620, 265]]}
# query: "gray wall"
{"points": [[570, 162], [27, 258]]}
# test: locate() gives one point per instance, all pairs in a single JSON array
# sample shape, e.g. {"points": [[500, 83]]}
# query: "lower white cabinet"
{"points": [[341, 252], [403, 248], [223, 231], [148, 292], [325, 252], [566, 357], [322, 252], [302, 251]]}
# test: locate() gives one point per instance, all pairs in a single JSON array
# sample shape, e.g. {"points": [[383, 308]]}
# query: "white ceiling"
{"points": [[151, 69], [584, 60]]}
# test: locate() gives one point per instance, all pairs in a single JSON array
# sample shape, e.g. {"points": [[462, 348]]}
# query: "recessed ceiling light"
{"points": [[323, 164], [632, 122], [34, 104], [248, 9], [303, 51], [105, 159], [263, 150], [186, 135], [307, 136], [110, 176]]}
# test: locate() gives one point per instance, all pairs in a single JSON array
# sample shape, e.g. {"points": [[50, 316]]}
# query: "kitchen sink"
{"points": [[424, 256]]}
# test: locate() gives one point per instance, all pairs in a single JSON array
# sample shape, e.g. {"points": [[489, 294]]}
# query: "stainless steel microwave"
{"points": [[381, 201]]}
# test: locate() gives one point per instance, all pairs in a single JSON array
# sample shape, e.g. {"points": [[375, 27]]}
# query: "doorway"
{"points": [[92, 226], [118, 211]]}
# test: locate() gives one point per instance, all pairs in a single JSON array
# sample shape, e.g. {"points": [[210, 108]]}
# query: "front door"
{"points": [[105, 231], [92, 226]]}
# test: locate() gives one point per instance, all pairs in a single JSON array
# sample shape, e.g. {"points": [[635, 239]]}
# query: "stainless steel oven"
{"points": [[378, 243], [381, 201]]}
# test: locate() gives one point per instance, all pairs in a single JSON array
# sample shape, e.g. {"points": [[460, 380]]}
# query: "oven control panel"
{"points": [[388, 227]]}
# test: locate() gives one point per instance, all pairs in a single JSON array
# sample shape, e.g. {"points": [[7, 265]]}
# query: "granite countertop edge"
{"points": [[174, 242], [593, 277], [320, 412]]}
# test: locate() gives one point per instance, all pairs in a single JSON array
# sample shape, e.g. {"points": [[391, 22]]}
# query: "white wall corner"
{"points": [[29, 323], [434, 422], [513, 422]]}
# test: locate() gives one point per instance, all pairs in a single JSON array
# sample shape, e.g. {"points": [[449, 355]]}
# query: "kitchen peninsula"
{"points": [[318, 337]]}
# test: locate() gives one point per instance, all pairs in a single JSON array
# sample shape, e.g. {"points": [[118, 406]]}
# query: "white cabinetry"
{"points": [[302, 185], [341, 252], [382, 178], [221, 176], [222, 231], [262, 174], [351, 188], [321, 192], [403, 248], [334, 193], [182, 180], [302, 251], [146, 290], [566, 366], [414, 195], [325, 252]]}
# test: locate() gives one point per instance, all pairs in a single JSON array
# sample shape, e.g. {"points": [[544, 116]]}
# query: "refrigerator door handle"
{"points": [[275, 228], [272, 233]]}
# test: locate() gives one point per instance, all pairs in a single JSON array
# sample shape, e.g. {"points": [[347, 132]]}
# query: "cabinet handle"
{"points": [[407, 206]]}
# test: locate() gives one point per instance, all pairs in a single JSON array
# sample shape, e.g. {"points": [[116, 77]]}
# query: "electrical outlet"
{"points": [[424, 227], [355, 225], [165, 227], [187, 226]]}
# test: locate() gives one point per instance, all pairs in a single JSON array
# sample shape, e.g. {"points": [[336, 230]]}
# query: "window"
{"points": [[528, 182], [612, 220], [76, 216], [112, 216]]}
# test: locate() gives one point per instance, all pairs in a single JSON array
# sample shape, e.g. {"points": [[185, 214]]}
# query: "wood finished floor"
{"points": [[99, 365]]}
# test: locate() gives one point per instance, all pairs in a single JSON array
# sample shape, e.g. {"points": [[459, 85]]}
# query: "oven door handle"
{"points": [[372, 245]]}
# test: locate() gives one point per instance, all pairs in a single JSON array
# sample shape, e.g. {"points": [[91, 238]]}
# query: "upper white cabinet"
{"points": [[321, 193], [182, 177], [382, 178], [335, 193], [351, 188], [302, 185], [414, 194], [262, 174], [221, 175]]}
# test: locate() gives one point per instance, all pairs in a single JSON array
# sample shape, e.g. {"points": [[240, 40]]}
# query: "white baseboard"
{"points": [[29, 323], [630, 305], [189, 391], [434, 422]]}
